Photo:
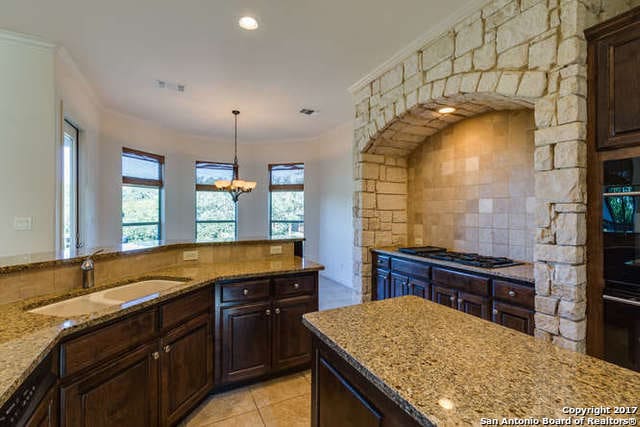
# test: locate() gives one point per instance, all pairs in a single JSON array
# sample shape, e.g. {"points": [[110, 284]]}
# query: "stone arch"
{"points": [[509, 55]]}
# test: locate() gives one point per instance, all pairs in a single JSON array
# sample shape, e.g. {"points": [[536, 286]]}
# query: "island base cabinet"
{"points": [[123, 393], [342, 397], [46, 414], [187, 368]]}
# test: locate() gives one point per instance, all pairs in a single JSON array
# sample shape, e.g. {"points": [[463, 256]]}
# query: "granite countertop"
{"points": [[13, 263], [523, 271], [26, 338], [446, 376]]}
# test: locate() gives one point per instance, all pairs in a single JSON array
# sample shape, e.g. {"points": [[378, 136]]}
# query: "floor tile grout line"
{"points": [[257, 408]]}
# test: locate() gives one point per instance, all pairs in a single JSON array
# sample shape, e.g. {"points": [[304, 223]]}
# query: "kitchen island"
{"points": [[409, 361]]}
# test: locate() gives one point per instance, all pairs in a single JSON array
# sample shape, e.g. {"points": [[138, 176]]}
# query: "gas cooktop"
{"points": [[471, 259]]}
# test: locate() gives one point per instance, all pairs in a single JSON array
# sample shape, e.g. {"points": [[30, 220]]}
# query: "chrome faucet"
{"points": [[87, 267]]}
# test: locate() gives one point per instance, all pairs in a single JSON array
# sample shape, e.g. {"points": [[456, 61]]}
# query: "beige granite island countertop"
{"points": [[523, 271], [26, 338], [446, 368]]}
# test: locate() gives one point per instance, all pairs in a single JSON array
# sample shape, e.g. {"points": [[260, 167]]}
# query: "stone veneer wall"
{"points": [[508, 55], [472, 187]]}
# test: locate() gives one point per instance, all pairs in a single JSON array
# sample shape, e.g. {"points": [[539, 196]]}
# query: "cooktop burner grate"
{"points": [[472, 259]]}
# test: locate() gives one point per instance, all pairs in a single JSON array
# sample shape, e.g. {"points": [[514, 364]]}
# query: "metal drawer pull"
{"points": [[512, 293], [452, 299], [460, 301], [277, 311], [155, 355], [245, 292], [167, 348], [268, 312], [296, 286], [495, 312]]}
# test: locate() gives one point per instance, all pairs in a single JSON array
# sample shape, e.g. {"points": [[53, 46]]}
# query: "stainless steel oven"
{"points": [[621, 253]]}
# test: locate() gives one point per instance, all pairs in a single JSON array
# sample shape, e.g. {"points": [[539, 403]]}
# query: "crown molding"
{"points": [[433, 32], [26, 39]]}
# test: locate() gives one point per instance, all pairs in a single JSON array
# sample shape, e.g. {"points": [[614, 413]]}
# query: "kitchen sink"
{"points": [[123, 296]]}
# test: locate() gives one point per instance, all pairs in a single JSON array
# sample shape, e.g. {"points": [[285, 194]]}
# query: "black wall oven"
{"points": [[621, 252]]}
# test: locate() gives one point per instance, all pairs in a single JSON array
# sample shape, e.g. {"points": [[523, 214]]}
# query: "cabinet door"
{"points": [[46, 414], [291, 339], [475, 305], [245, 341], [444, 296], [514, 317], [382, 285], [186, 367], [121, 393], [341, 404], [399, 285], [419, 288], [618, 87]]}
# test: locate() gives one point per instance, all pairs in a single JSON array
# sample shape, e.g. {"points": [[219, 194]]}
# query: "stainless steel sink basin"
{"points": [[123, 296]]}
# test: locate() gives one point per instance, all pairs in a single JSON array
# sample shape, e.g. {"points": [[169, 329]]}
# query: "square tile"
{"points": [[279, 389], [294, 412], [222, 406]]}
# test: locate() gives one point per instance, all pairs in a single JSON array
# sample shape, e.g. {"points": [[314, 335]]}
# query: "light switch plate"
{"points": [[276, 250], [189, 255], [22, 223]]}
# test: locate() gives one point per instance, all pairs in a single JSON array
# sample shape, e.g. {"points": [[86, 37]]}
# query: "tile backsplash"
{"points": [[471, 186]]}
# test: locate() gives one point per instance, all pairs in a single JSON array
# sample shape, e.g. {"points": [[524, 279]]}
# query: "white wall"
{"points": [[42, 85], [27, 141]]}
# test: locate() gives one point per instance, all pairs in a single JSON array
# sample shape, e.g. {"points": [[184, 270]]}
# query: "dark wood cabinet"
{"points": [[614, 61], [514, 317], [291, 340], [246, 341], [444, 296], [46, 413], [399, 285], [474, 293], [419, 288], [342, 397], [123, 392], [186, 368], [475, 305], [382, 284]]}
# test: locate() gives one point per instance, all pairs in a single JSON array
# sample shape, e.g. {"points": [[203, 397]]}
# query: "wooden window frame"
{"points": [[142, 182], [212, 187]]}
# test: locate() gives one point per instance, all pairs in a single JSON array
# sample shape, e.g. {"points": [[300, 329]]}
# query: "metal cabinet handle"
{"points": [[268, 312], [167, 348], [460, 301], [452, 299], [245, 292], [277, 311], [495, 312], [155, 355], [296, 286], [512, 293]]}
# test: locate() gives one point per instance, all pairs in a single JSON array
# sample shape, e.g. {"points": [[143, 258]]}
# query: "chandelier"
{"points": [[236, 186]]}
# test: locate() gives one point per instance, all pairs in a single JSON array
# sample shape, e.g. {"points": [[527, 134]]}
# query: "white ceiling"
{"points": [[305, 54]]}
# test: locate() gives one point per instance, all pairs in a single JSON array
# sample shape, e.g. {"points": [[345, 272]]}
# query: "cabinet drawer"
{"points": [[412, 268], [468, 282], [516, 294], [382, 261], [245, 291], [106, 342], [185, 307], [296, 285]]}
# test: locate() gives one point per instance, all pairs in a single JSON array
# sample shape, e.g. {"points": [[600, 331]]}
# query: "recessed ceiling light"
{"points": [[446, 110], [248, 23]]}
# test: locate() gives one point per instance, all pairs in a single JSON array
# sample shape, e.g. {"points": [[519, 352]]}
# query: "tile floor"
{"points": [[282, 402]]}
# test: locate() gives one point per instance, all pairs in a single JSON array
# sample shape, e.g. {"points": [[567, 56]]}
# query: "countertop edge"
{"points": [[116, 253], [6, 394], [388, 391]]}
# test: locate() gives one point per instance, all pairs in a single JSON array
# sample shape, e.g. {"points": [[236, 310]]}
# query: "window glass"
{"points": [[286, 200], [287, 175], [136, 167], [216, 213]]}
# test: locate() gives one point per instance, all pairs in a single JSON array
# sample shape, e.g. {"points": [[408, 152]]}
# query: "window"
{"points": [[69, 226], [142, 184], [216, 214], [286, 200]]}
